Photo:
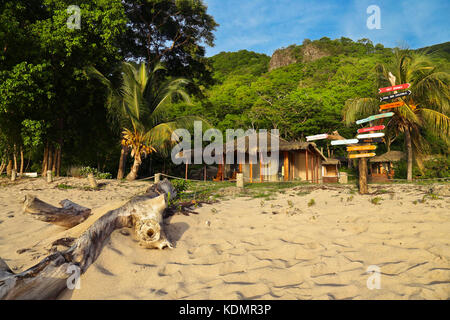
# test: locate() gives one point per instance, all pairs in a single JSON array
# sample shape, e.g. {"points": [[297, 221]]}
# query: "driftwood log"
{"points": [[48, 278], [68, 216]]}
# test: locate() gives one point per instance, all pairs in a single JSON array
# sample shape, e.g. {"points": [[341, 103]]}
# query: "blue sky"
{"points": [[266, 25]]}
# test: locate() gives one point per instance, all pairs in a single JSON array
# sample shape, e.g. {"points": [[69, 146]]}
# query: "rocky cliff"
{"points": [[294, 54]]}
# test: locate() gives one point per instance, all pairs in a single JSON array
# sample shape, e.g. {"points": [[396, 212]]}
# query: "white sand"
{"points": [[239, 249]]}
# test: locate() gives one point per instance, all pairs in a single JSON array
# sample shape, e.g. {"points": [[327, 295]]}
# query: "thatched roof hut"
{"points": [[391, 156], [283, 145]]}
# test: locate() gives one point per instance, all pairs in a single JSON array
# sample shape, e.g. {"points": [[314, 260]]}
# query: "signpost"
{"points": [[317, 137], [392, 105], [376, 117], [361, 148], [394, 88], [370, 135], [376, 128], [394, 96], [373, 140], [343, 142], [361, 155]]}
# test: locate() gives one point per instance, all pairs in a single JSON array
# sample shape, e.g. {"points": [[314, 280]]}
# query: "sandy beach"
{"points": [[298, 245]]}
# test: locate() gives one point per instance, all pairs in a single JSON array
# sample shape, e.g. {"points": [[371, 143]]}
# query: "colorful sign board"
{"points": [[373, 140], [397, 95], [392, 105], [361, 155], [343, 142], [394, 88], [370, 135], [376, 117], [361, 148], [317, 137], [376, 128]]}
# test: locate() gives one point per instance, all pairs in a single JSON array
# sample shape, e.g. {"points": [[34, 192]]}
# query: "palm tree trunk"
{"points": [[135, 168], [409, 153], [122, 162]]}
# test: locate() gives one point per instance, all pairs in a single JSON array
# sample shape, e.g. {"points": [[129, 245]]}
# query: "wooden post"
{"points": [[306, 161], [240, 180], [186, 173], [363, 188], [261, 177], [286, 166], [91, 180], [49, 176], [157, 177], [13, 175], [204, 172], [251, 172]]}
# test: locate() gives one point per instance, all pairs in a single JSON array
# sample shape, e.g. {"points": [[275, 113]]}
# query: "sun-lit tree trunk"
{"points": [[21, 161], [55, 158], [15, 158], [9, 167], [45, 161], [135, 168], [409, 154], [50, 158], [2, 167], [122, 162]]}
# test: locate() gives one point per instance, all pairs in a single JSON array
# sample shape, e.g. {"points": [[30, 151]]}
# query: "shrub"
{"points": [[180, 185], [84, 171]]}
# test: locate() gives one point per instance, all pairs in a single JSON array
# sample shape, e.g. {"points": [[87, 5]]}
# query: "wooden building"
{"points": [[330, 170], [298, 160], [382, 168]]}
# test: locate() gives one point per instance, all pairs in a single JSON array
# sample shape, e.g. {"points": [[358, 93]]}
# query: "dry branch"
{"points": [[48, 278], [68, 216]]}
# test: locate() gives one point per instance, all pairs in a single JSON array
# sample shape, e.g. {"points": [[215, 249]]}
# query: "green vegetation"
{"points": [[311, 203], [376, 200], [426, 109], [56, 115]]}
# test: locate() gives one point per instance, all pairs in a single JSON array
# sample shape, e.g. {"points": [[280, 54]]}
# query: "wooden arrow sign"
{"points": [[394, 88], [361, 155], [370, 135], [376, 128], [342, 142], [392, 105], [376, 117], [361, 148], [317, 137], [394, 96], [373, 140]]}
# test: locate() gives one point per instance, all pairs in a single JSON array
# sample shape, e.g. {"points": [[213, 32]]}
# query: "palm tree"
{"points": [[426, 108], [139, 106]]}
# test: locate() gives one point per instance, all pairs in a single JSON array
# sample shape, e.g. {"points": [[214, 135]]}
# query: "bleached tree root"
{"points": [[68, 216], [48, 278]]}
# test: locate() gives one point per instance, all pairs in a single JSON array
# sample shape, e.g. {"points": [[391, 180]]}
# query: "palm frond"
{"points": [[438, 123], [361, 107]]}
